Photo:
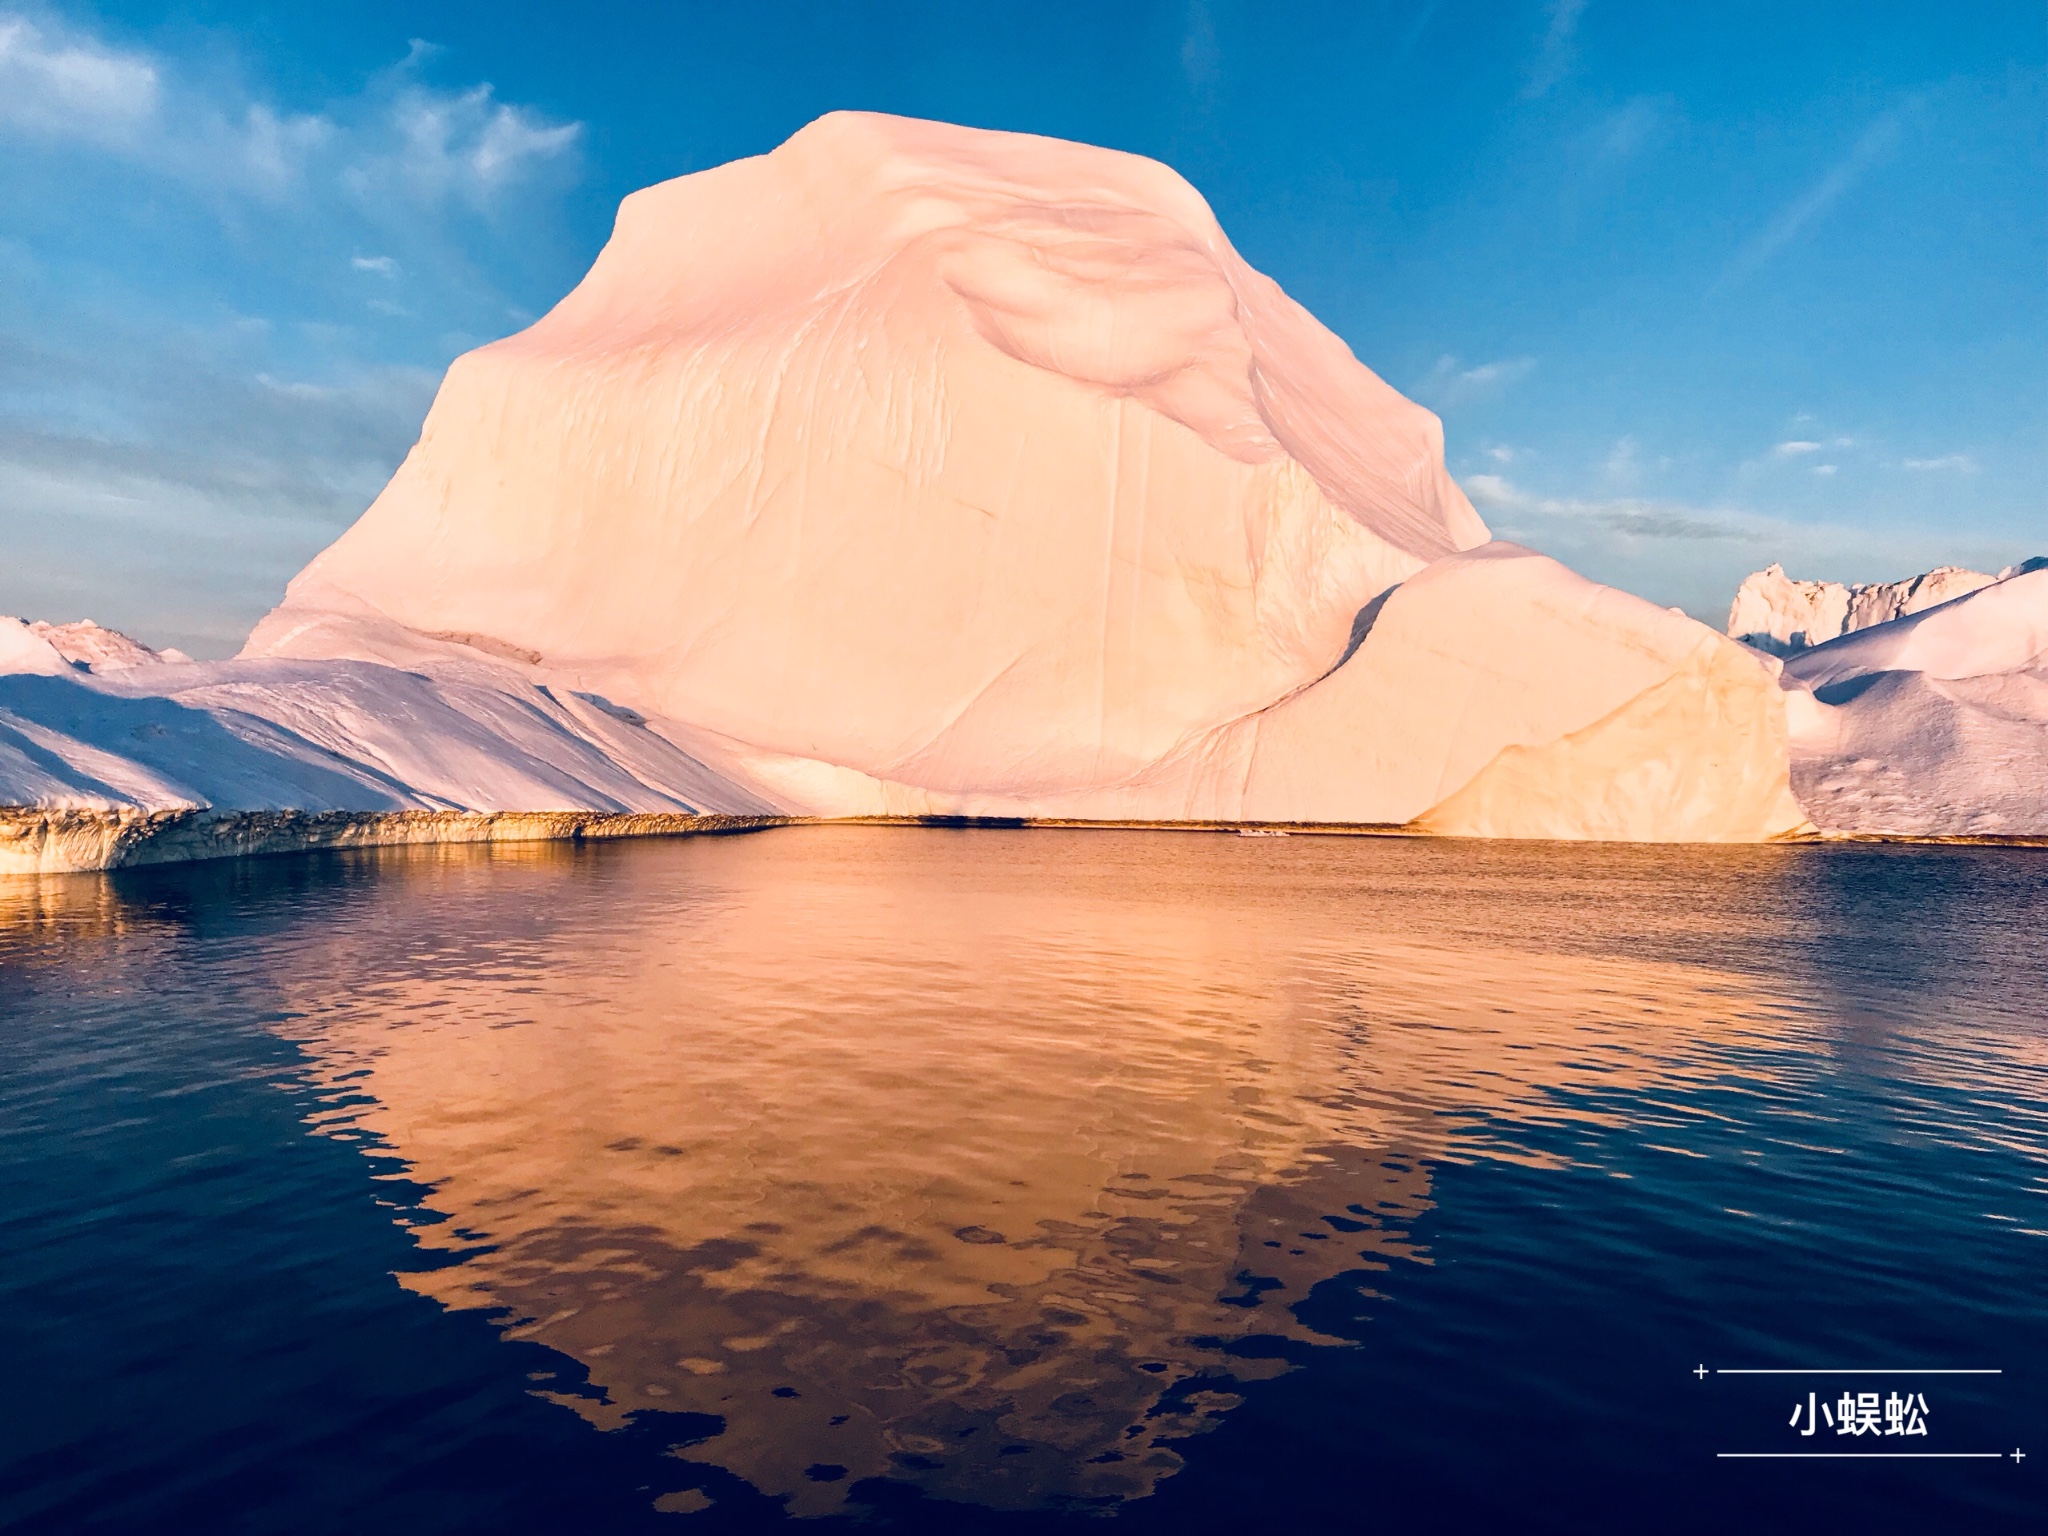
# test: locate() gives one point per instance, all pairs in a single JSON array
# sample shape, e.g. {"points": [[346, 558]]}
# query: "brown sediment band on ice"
{"points": [[53, 842]]}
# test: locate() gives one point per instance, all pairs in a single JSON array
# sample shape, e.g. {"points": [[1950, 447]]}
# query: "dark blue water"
{"points": [[964, 1181]]}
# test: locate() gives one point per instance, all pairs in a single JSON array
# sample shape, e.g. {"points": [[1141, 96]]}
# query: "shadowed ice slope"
{"points": [[1933, 724], [328, 736]]}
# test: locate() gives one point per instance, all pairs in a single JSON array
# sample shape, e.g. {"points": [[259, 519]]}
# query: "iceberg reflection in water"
{"points": [[1006, 1167], [958, 1159]]}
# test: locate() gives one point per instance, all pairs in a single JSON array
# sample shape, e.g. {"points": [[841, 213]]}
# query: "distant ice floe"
{"points": [[1774, 613], [1933, 724]]}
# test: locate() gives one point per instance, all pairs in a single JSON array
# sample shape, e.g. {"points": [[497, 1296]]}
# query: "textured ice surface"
{"points": [[1934, 724], [86, 644], [914, 468], [332, 736], [1777, 614]]}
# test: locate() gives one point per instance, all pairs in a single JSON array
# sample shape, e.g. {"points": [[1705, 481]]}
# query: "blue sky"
{"points": [[1694, 287]]}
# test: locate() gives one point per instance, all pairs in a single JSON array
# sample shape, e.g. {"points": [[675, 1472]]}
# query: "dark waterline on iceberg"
{"points": [[990, 1180]]}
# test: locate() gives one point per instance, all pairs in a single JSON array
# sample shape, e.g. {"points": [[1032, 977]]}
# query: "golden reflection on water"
{"points": [[955, 1158]]}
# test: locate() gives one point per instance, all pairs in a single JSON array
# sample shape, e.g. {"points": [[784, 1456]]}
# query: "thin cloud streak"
{"points": [[1803, 448], [1638, 126], [1635, 516], [1694, 557], [1200, 58], [1447, 386], [1412, 36], [236, 483], [1871, 146], [1555, 53]]}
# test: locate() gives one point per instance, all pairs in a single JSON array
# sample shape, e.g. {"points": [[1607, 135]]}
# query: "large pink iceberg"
{"points": [[918, 469]]}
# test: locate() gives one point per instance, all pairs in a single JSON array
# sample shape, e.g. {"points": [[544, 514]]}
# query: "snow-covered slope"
{"points": [[330, 736], [1934, 724], [23, 650], [1774, 613], [88, 645], [914, 468]]}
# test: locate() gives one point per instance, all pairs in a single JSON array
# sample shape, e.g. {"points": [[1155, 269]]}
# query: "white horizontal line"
{"points": [[1860, 1455], [1874, 1370]]}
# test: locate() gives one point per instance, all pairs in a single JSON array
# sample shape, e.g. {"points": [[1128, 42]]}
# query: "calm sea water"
{"points": [[1015, 1181]]}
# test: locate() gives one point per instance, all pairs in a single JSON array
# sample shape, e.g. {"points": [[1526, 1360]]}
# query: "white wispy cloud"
{"points": [[1635, 516], [57, 84], [1802, 447], [1200, 58], [1637, 125], [1448, 385], [1824, 469], [271, 151], [1962, 463], [464, 145], [1413, 35], [1872, 145], [60, 86], [400, 135], [168, 466], [1555, 52]]}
